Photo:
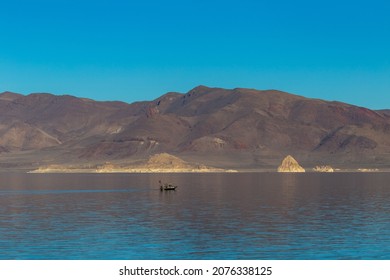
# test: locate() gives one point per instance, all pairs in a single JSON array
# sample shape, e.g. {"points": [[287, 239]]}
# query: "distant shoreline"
{"points": [[192, 171]]}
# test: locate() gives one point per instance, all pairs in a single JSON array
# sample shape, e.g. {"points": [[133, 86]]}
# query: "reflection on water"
{"points": [[210, 216]]}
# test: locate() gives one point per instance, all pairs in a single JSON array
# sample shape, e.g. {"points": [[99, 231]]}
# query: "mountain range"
{"points": [[227, 128]]}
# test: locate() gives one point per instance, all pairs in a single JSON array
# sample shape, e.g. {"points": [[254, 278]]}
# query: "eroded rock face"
{"points": [[289, 164]]}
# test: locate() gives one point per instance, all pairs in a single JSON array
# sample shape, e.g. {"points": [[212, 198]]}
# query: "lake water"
{"points": [[210, 216]]}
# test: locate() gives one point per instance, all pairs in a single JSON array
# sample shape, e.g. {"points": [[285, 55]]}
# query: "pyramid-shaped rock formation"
{"points": [[289, 164]]}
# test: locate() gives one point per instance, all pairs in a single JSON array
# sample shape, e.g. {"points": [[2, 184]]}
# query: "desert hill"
{"points": [[237, 128], [157, 163]]}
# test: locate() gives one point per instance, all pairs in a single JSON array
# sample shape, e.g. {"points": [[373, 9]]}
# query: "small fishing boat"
{"points": [[167, 187]]}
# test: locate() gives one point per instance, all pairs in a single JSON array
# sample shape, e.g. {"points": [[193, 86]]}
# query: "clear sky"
{"points": [[139, 50]]}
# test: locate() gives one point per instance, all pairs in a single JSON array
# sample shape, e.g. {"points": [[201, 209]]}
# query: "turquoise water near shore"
{"points": [[210, 216]]}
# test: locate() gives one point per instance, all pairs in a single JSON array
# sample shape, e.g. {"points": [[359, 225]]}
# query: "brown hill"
{"points": [[238, 128], [160, 163]]}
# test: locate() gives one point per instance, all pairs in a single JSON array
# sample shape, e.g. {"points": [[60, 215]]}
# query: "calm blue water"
{"points": [[210, 216]]}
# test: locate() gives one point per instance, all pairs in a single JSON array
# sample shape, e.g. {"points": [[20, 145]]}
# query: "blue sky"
{"points": [[139, 50]]}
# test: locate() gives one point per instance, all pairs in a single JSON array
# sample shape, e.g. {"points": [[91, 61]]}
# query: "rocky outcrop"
{"points": [[289, 164], [323, 168]]}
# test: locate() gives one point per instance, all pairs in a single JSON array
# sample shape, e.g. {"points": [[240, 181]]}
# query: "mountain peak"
{"points": [[200, 88], [9, 96]]}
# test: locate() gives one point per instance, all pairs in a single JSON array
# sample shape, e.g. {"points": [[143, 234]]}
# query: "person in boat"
{"points": [[163, 186], [166, 186]]}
